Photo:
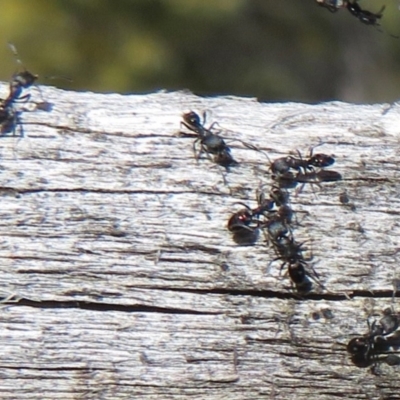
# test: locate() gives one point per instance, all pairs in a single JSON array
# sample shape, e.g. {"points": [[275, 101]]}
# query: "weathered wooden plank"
{"points": [[114, 241], [129, 181], [252, 351]]}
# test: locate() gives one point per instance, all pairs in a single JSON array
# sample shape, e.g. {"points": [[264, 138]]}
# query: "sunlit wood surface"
{"points": [[120, 280]]}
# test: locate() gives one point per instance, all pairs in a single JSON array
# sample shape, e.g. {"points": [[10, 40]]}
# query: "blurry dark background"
{"points": [[276, 50]]}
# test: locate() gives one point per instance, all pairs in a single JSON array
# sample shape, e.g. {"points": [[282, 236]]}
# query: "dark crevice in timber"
{"points": [[20, 191], [77, 129], [339, 296], [62, 369], [83, 305]]}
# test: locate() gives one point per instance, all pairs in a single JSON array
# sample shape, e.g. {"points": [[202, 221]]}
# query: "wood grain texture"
{"points": [[121, 281]]}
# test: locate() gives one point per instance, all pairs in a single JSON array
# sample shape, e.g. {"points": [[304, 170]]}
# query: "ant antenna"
{"points": [[64, 78], [15, 52], [26, 78]]}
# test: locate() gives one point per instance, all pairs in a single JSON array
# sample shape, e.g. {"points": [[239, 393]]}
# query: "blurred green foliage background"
{"points": [[276, 50]]}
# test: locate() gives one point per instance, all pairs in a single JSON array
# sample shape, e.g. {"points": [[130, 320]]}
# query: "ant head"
{"points": [[240, 220], [321, 160], [358, 345], [191, 118], [24, 79]]}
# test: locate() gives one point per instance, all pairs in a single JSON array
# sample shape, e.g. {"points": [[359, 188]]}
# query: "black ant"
{"points": [[366, 17], [364, 349], [283, 165], [210, 142], [20, 80], [242, 219], [246, 221]]}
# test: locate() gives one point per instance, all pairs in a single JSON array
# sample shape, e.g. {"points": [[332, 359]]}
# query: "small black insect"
{"points": [[364, 350], [210, 142], [366, 17], [286, 168], [272, 213], [20, 81], [9, 117], [319, 160]]}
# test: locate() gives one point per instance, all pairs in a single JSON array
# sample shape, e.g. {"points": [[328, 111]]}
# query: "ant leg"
{"points": [[281, 268], [313, 270], [299, 190], [245, 227], [204, 115], [23, 99], [260, 196], [186, 134], [40, 92], [311, 149], [212, 126], [244, 205], [270, 263], [196, 153]]}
